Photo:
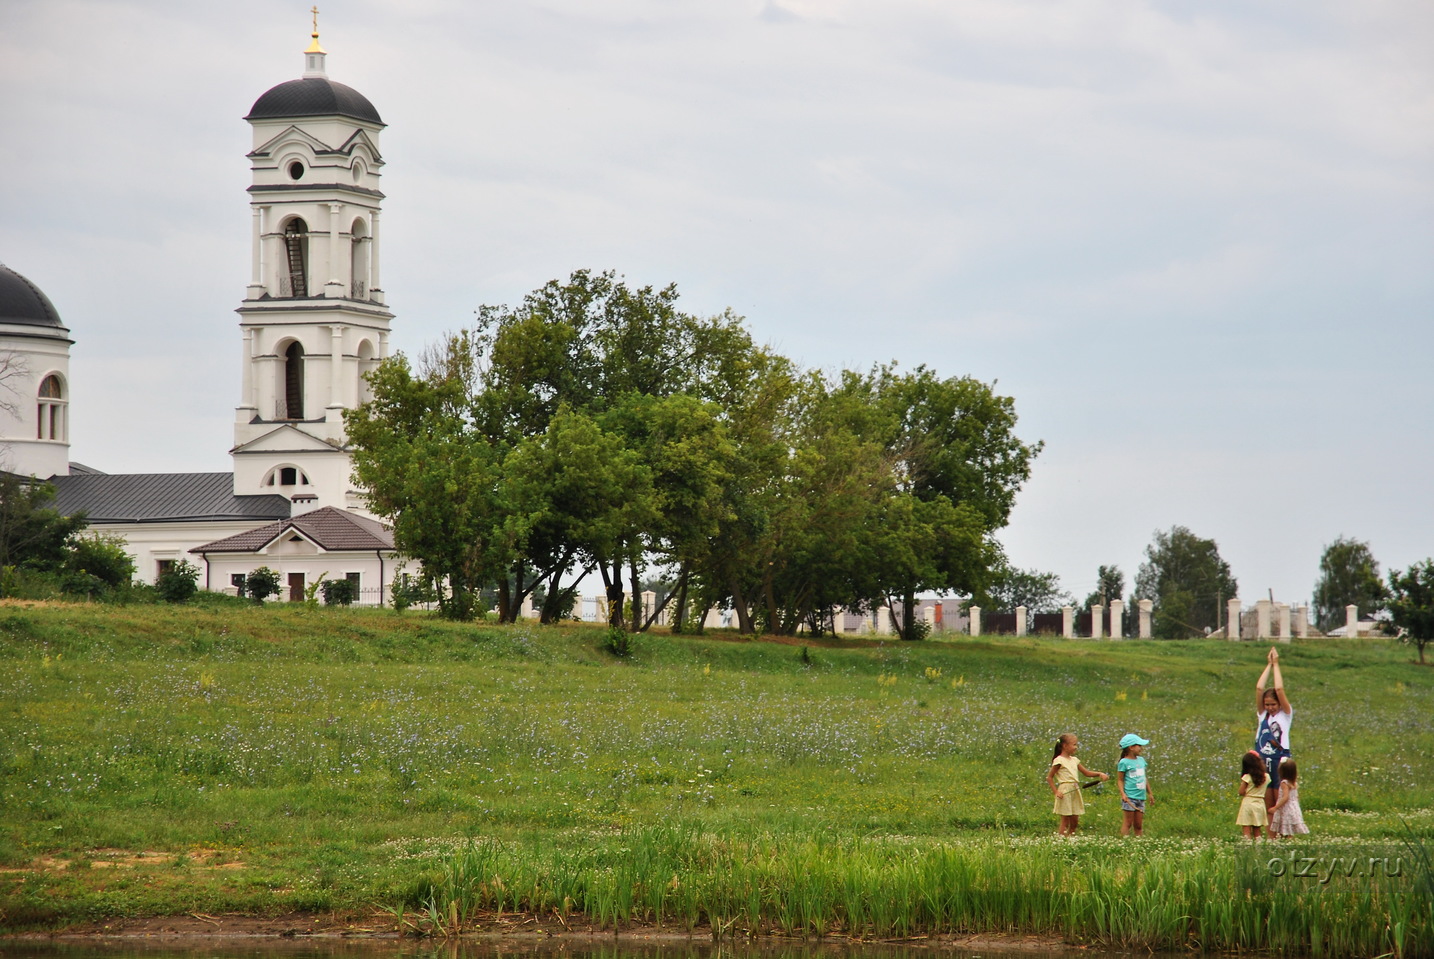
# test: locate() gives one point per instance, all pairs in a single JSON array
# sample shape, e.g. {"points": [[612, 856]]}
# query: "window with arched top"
{"points": [[50, 410], [358, 259], [286, 476], [294, 281], [367, 363], [294, 381]]}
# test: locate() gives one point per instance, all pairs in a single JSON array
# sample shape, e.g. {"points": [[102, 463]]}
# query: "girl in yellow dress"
{"points": [[1252, 817], [1064, 779]]}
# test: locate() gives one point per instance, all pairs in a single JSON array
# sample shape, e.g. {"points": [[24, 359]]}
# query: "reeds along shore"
{"points": [[1161, 895]]}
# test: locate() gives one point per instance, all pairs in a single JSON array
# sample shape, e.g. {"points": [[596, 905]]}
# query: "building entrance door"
{"points": [[296, 587]]}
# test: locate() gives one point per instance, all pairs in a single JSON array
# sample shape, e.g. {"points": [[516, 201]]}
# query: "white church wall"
{"points": [[149, 544], [22, 449], [374, 570]]}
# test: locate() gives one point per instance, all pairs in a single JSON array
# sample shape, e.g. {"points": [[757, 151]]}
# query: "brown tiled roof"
{"points": [[331, 529]]}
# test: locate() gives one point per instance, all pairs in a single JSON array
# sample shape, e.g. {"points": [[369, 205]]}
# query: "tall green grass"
{"points": [[1212, 896]]}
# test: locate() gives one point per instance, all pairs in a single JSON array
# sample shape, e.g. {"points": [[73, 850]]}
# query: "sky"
{"points": [[1193, 241]]}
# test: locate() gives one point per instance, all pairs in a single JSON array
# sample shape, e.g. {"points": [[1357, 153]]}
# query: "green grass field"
{"points": [[172, 760]]}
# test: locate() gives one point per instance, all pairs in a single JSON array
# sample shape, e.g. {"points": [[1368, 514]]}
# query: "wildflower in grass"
{"points": [[1120, 696], [959, 681]]}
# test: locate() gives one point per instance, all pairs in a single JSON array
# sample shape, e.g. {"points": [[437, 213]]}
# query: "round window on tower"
{"points": [[358, 171], [296, 170]]}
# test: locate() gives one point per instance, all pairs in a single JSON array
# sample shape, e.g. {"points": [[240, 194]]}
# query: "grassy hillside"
{"points": [[157, 759]]}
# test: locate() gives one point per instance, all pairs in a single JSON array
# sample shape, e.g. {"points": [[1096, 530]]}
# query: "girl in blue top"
{"points": [[1134, 790]]}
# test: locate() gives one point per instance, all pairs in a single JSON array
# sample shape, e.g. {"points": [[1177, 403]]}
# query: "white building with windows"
{"points": [[313, 321]]}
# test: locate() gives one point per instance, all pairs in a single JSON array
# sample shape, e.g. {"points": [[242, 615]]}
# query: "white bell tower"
{"points": [[314, 318]]}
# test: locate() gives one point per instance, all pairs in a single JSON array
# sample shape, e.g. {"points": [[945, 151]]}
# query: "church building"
{"points": [[313, 321]]}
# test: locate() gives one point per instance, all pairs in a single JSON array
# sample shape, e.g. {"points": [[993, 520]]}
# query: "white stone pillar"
{"points": [[335, 285], [649, 603], [1232, 619], [1351, 621], [527, 612], [1117, 619], [1145, 606], [883, 620], [336, 367], [248, 401], [1302, 621], [1282, 616], [256, 271], [375, 288], [1262, 618], [975, 621], [1068, 622], [1021, 620], [1097, 613]]}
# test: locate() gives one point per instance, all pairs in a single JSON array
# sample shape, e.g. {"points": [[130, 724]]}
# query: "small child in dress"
{"points": [[1064, 779], [1134, 790], [1287, 818], [1252, 795]]}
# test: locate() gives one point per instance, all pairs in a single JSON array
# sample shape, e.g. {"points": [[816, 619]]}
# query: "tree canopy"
{"points": [[1411, 603], [595, 427], [1187, 581], [1348, 575]]}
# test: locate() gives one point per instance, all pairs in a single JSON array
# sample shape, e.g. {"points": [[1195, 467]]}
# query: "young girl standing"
{"points": [[1134, 790], [1064, 779], [1288, 819], [1252, 795]]}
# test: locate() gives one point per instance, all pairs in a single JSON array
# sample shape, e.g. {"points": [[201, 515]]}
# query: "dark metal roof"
{"points": [[24, 303], [331, 529], [313, 97], [161, 498]]}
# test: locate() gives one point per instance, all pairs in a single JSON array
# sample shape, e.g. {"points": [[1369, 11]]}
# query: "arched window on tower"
{"points": [[367, 363], [295, 282], [50, 410], [359, 259], [294, 382]]}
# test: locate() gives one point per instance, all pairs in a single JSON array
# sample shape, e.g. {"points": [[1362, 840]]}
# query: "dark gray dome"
{"points": [[23, 303], [313, 97]]}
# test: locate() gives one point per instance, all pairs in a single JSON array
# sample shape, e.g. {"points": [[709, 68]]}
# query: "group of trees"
{"points": [[1349, 576], [40, 547], [597, 428]]}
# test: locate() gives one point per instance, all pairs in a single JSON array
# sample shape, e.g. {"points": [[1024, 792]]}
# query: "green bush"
{"points": [[178, 583], [338, 592], [261, 584]]}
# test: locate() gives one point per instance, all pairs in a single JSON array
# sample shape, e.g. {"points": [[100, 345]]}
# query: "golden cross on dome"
{"points": [[314, 46]]}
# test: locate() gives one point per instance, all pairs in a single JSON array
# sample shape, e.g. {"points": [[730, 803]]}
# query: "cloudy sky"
{"points": [[1194, 240]]}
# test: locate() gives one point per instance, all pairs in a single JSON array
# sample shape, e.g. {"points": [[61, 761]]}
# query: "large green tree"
{"points": [[1037, 591], [33, 534], [1109, 584], [1188, 582], [1348, 574], [1411, 603]]}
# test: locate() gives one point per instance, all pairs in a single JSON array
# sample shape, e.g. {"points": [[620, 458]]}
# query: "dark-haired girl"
{"points": [[1253, 781]]}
